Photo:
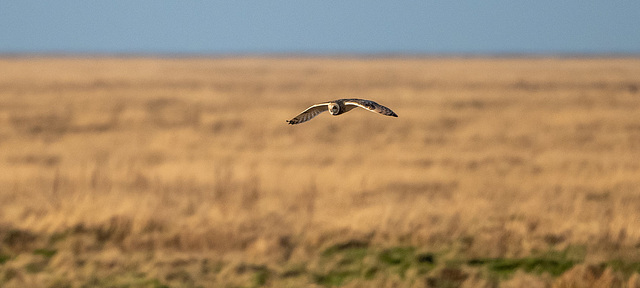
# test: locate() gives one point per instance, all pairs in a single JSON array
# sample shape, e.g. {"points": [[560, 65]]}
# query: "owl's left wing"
{"points": [[371, 106]]}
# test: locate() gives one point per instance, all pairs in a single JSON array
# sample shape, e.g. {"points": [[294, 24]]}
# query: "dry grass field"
{"points": [[183, 173]]}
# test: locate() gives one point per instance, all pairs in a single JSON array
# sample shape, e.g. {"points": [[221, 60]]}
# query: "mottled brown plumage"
{"points": [[338, 107]]}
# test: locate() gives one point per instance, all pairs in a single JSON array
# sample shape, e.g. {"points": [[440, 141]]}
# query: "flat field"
{"points": [[145, 172]]}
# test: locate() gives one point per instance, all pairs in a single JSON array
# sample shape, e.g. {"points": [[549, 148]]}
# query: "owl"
{"points": [[338, 107]]}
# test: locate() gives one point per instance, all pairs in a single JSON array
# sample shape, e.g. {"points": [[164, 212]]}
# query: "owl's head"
{"points": [[334, 109]]}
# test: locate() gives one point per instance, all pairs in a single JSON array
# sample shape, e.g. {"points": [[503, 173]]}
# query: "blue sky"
{"points": [[320, 27]]}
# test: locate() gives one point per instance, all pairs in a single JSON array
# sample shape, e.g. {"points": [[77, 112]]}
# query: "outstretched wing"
{"points": [[308, 114], [371, 106]]}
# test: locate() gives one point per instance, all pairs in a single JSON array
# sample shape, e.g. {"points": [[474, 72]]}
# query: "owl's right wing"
{"points": [[308, 114]]}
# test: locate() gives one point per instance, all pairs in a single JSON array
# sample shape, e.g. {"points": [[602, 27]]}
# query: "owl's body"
{"points": [[338, 107]]}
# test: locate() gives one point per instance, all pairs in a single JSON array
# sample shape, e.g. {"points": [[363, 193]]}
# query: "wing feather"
{"points": [[308, 114], [371, 106]]}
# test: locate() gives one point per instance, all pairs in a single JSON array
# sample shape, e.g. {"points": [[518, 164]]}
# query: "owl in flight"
{"points": [[338, 107]]}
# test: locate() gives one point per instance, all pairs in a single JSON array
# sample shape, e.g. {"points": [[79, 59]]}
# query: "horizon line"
{"points": [[381, 55]]}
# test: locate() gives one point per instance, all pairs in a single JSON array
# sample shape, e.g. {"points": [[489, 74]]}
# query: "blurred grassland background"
{"points": [[145, 172]]}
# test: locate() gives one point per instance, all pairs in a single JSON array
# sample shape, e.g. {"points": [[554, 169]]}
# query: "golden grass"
{"points": [[183, 172]]}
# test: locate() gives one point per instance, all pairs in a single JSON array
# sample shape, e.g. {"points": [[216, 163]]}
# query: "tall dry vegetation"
{"points": [[118, 163]]}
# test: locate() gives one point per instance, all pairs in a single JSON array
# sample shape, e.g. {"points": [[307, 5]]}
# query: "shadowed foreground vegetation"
{"points": [[183, 173]]}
